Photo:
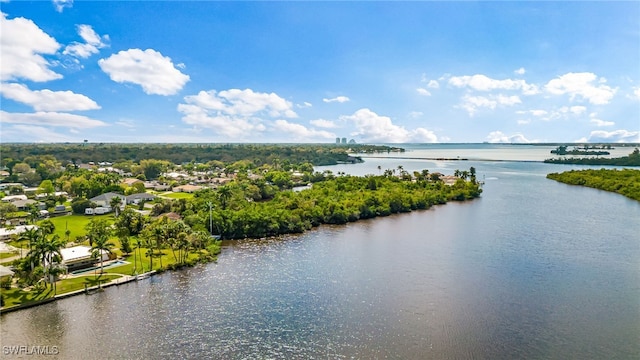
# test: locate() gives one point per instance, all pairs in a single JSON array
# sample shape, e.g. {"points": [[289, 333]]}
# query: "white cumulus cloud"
{"points": [[582, 85], [234, 113], [472, 103], [47, 100], [23, 45], [236, 102], [300, 132], [148, 68], [60, 5], [321, 123], [93, 42], [500, 137], [31, 133], [618, 136], [371, 127], [340, 99], [433, 84], [481, 82], [520, 71], [43, 118], [423, 92], [601, 123]]}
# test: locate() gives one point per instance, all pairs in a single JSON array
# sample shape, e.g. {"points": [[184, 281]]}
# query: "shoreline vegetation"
{"points": [[632, 159], [252, 198], [258, 154], [625, 181]]}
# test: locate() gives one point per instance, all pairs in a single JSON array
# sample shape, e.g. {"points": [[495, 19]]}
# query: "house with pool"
{"points": [[80, 257]]}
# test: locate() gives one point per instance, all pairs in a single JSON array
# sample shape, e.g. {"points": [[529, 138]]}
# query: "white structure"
{"points": [[5, 234], [78, 257], [12, 198]]}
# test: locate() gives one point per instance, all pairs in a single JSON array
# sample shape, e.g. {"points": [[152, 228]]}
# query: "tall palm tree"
{"points": [[47, 227], [31, 235], [50, 253], [101, 245], [115, 203], [224, 194]]}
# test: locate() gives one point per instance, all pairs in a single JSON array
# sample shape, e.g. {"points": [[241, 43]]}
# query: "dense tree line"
{"points": [[632, 159], [625, 181], [316, 154], [254, 209]]}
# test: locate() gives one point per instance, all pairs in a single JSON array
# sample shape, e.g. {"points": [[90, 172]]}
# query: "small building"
{"points": [[137, 198], [12, 198], [79, 257], [24, 205], [187, 188], [8, 185], [5, 233], [105, 199], [132, 181]]}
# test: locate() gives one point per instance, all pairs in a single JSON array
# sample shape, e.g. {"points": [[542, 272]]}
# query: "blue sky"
{"points": [[377, 72]]}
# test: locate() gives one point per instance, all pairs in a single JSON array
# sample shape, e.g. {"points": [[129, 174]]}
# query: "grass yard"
{"points": [[177, 195], [4, 255], [16, 296], [75, 223], [143, 266], [77, 283]]}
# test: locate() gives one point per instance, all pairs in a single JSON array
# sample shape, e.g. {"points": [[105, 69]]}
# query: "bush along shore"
{"points": [[177, 231], [625, 181], [632, 159]]}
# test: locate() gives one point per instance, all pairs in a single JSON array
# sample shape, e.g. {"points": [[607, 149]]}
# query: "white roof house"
{"points": [[5, 234], [79, 256]]}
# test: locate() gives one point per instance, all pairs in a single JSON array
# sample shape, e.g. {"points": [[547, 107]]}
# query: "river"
{"points": [[532, 269]]}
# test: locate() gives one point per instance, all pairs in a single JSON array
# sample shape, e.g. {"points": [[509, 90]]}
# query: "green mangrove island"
{"points": [[625, 181], [70, 224], [632, 159]]}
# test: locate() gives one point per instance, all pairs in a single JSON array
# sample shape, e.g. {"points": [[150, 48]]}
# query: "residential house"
{"points": [[5, 233], [137, 198], [104, 200], [24, 205], [155, 186], [4, 186], [12, 198], [132, 181], [187, 188], [79, 257]]}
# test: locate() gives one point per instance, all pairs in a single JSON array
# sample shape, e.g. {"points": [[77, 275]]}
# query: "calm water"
{"points": [[533, 269]]}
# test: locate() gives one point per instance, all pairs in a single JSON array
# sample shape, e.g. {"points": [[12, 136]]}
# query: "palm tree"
{"points": [[224, 194], [31, 235], [50, 252], [47, 227], [100, 246], [115, 203]]}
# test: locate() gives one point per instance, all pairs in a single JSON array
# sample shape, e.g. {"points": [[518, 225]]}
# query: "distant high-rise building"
{"points": [[337, 140], [344, 140]]}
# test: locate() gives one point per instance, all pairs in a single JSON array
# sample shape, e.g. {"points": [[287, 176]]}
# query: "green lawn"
{"points": [[178, 195], [143, 266], [77, 283], [75, 223], [16, 296], [4, 255]]}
